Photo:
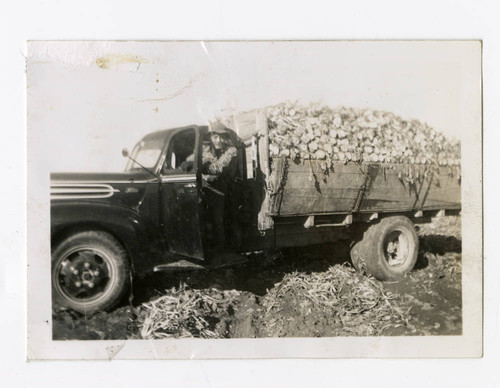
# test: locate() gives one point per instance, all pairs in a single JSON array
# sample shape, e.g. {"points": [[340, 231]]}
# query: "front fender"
{"points": [[139, 235]]}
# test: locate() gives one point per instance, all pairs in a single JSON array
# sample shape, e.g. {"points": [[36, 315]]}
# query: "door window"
{"points": [[180, 157]]}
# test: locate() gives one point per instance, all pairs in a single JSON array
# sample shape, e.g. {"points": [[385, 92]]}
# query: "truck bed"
{"points": [[302, 188]]}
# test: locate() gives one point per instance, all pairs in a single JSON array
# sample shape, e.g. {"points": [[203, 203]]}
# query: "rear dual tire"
{"points": [[388, 250]]}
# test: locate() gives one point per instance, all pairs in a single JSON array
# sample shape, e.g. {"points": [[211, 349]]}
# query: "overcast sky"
{"points": [[88, 100]]}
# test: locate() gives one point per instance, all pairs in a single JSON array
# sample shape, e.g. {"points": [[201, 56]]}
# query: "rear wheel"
{"points": [[356, 256], [388, 249], [90, 272]]}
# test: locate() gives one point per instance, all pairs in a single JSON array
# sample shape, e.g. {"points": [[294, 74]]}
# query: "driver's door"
{"points": [[181, 195]]}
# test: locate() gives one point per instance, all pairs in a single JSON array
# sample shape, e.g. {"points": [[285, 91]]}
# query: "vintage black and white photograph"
{"points": [[255, 190]]}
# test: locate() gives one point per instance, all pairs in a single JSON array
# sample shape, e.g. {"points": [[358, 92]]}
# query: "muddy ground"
{"points": [[430, 298]]}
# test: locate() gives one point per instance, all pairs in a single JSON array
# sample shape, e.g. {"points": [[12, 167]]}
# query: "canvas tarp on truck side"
{"points": [[352, 187]]}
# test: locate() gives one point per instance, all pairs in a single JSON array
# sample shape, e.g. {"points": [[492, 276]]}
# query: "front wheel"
{"points": [[90, 272], [388, 249]]}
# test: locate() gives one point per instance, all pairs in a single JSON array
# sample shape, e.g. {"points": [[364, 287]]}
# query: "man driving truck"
{"points": [[218, 166]]}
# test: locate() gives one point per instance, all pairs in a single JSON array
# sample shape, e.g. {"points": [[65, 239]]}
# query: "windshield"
{"points": [[147, 153]]}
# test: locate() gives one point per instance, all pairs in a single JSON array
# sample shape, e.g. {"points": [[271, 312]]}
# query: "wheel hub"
{"points": [[83, 274], [396, 248]]}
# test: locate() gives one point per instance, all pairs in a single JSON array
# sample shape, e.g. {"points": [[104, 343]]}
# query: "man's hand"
{"points": [[209, 178], [205, 183]]}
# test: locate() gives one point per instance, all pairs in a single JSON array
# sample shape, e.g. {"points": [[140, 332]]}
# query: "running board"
{"points": [[181, 265], [220, 261], [227, 260]]}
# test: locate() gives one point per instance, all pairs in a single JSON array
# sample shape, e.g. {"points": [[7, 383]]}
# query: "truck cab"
{"points": [[106, 227]]}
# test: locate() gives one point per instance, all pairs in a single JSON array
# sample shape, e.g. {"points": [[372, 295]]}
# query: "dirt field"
{"points": [[308, 292]]}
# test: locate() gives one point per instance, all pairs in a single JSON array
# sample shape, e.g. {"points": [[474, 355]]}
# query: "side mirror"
{"points": [[125, 153]]}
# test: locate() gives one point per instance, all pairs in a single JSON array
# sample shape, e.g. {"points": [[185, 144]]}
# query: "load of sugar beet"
{"points": [[344, 160], [318, 132]]}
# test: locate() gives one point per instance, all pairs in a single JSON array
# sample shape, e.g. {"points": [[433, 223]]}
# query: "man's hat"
{"points": [[217, 127]]}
